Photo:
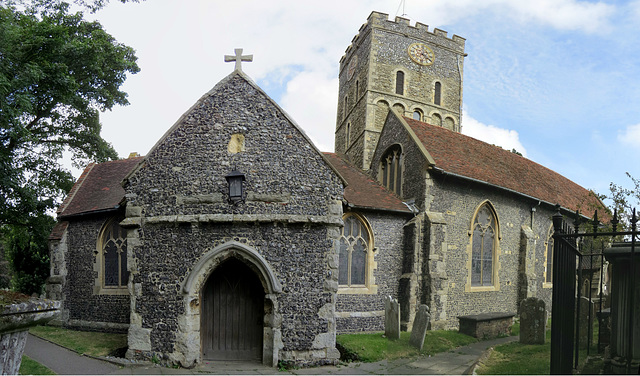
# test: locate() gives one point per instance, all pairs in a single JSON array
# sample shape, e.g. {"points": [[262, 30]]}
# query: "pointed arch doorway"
{"points": [[232, 313]]}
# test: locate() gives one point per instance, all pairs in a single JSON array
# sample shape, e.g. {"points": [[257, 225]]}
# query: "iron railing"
{"points": [[579, 256]]}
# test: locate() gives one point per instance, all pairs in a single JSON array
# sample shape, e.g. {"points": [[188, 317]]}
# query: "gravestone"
{"points": [[420, 325], [585, 321], [533, 321], [391, 318]]}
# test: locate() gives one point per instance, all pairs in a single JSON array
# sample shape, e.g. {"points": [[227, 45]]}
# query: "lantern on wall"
{"points": [[235, 180]]}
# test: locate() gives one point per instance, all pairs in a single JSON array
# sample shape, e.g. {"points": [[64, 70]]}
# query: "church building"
{"points": [[236, 238]]}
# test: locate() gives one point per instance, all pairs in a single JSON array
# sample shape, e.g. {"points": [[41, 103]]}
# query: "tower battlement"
{"points": [[403, 26]]}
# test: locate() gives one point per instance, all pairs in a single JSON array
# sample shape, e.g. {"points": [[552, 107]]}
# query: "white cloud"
{"points": [[505, 138], [588, 17], [630, 136], [310, 99]]}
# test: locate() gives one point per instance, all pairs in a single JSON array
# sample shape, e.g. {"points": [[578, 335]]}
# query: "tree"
{"points": [[28, 253], [625, 200], [57, 72]]}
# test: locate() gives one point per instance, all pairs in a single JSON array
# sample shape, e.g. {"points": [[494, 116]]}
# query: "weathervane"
{"points": [[238, 58]]}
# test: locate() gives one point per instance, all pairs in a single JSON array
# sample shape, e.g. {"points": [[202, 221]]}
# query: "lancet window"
{"points": [[391, 169]]}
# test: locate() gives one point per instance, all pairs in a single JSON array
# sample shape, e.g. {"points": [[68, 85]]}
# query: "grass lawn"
{"points": [[517, 359], [373, 347], [90, 343], [31, 367]]}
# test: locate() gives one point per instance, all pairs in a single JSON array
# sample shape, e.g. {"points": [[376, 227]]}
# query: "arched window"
{"points": [[417, 115], [112, 256], [449, 123], [391, 169], [346, 105], [347, 135], [437, 93], [483, 247], [400, 82], [354, 252], [357, 90], [548, 259], [436, 120]]}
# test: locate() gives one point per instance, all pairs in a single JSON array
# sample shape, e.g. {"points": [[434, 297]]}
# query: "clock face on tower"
{"points": [[421, 54]]}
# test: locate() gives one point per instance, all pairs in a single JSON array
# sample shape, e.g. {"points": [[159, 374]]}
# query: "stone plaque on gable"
{"points": [[420, 327], [391, 318], [533, 321]]}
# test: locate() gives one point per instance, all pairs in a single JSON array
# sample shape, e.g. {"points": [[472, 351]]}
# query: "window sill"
{"points": [[483, 288], [98, 290], [547, 285], [358, 290]]}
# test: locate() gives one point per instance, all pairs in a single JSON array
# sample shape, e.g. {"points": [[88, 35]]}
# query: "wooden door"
{"points": [[232, 314]]}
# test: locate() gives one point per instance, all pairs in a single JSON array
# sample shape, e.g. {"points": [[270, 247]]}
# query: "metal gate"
{"points": [[578, 259]]}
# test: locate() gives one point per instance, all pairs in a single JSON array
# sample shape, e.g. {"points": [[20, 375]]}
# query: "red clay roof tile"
{"points": [[362, 191], [466, 156], [98, 188]]}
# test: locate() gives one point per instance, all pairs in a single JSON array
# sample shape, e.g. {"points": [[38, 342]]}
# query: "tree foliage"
{"points": [[57, 71], [625, 200]]}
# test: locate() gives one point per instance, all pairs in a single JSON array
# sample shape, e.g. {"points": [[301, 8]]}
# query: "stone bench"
{"points": [[486, 325]]}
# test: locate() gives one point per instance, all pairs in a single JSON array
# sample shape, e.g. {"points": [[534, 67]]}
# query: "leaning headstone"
{"points": [[420, 327], [391, 318], [533, 321]]}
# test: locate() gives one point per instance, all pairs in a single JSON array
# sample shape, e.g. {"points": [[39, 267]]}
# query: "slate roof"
{"points": [[362, 191], [462, 155], [98, 188]]}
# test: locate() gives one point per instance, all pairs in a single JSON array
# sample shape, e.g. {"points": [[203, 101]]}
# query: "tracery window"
{"points": [[113, 255], [483, 247], [400, 82], [437, 93], [354, 249], [391, 169]]}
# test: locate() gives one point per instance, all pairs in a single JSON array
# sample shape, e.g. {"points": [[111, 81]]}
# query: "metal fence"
{"points": [[579, 271]]}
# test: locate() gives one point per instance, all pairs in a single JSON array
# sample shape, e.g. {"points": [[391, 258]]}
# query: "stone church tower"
{"points": [[394, 64]]}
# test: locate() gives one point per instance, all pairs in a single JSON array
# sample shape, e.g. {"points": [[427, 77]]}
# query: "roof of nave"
{"points": [[362, 191], [98, 188], [468, 157]]}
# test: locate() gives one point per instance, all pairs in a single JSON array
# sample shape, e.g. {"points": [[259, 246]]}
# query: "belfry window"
{"points": [[483, 247], [113, 255], [400, 82], [437, 93], [391, 169], [354, 249]]}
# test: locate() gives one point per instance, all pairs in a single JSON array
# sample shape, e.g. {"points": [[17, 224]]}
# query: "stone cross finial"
{"points": [[238, 58]]}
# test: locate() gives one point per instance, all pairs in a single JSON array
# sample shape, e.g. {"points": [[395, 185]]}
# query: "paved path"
{"points": [[63, 361], [456, 362]]}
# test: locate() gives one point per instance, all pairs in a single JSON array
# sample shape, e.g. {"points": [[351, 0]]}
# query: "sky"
{"points": [[557, 80]]}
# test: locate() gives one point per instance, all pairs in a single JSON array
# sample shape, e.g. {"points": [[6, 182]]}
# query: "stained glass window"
{"points": [[354, 248], [114, 255], [483, 247]]}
